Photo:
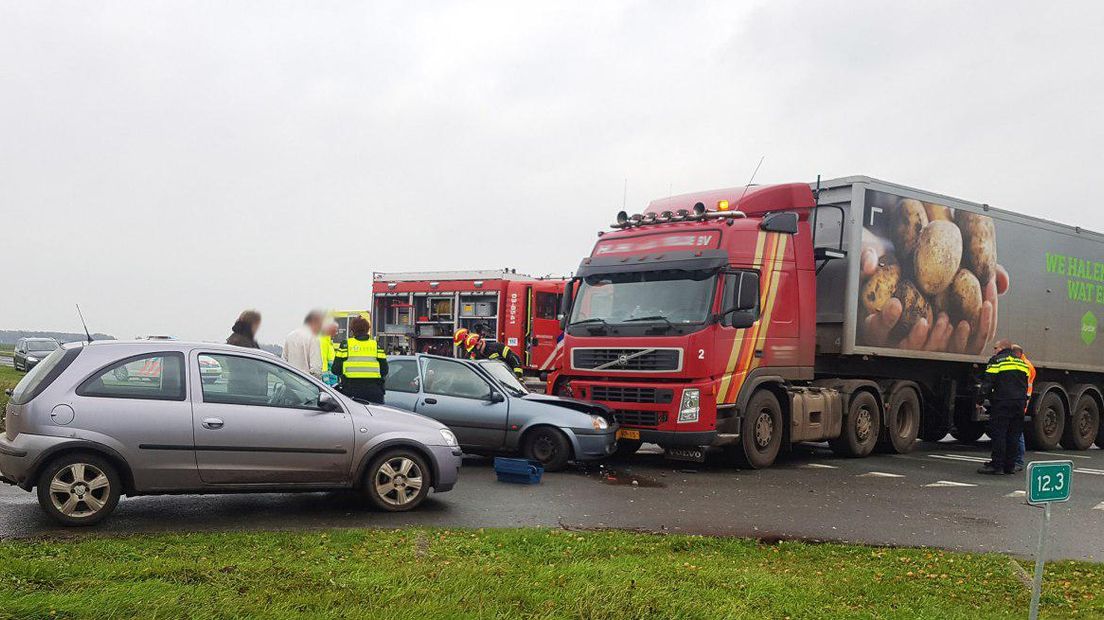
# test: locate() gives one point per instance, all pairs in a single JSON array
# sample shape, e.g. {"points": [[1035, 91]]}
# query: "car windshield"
{"points": [[41, 345], [681, 297], [504, 376]]}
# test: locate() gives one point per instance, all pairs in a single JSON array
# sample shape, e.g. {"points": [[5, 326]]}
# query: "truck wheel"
{"points": [[1046, 426], [902, 422], [1083, 426], [968, 431], [547, 445], [397, 480], [79, 489], [760, 432], [861, 427]]}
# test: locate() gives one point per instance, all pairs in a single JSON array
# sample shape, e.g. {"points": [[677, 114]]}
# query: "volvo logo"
{"points": [[622, 360]]}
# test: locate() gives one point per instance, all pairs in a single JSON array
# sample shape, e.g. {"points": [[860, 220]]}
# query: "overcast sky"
{"points": [[169, 164]]}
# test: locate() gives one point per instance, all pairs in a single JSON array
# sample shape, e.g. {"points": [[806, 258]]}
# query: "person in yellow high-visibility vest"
{"points": [[361, 363], [325, 341]]}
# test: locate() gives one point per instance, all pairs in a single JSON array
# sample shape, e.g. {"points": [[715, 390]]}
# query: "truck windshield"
{"points": [[675, 296]]}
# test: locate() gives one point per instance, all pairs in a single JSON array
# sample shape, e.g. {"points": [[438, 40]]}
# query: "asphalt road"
{"points": [[929, 497]]}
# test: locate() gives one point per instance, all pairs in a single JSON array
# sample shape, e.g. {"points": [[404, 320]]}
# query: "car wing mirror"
{"points": [[326, 402], [496, 397], [9, 391]]}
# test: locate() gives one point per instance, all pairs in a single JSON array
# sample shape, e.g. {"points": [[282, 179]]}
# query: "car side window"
{"points": [[157, 376], [448, 378], [402, 376], [248, 381]]}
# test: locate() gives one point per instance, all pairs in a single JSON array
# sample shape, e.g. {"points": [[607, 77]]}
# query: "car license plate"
{"points": [[696, 455], [628, 433]]}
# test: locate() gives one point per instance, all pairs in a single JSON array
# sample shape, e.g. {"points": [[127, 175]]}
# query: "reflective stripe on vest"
{"points": [[362, 359]]}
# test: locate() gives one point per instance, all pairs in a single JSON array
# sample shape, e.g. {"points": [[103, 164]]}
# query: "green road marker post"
{"points": [[1047, 482]]}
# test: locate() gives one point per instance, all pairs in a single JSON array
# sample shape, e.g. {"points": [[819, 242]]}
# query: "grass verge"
{"points": [[524, 573], [8, 378]]}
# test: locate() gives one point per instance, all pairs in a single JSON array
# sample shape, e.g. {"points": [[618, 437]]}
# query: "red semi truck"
{"points": [[418, 312], [856, 311]]}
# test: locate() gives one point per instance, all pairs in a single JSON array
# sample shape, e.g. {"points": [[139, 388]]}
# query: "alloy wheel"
{"points": [[79, 490], [398, 481]]}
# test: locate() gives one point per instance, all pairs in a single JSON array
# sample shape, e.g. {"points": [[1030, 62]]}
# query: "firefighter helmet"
{"points": [[471, 341], [460, 336]]}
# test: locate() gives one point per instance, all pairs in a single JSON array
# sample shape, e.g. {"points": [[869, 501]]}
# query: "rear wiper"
{"points": [[656, 317]]}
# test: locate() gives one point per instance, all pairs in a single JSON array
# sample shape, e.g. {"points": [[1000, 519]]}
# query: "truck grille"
{"points": [[617, 394], [637, 418], [647, 360]]}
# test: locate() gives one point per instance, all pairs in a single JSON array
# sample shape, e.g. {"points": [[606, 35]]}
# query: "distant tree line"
{"points": [[11, 336]]}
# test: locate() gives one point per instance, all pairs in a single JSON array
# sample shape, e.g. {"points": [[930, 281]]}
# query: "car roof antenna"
{"points": [[81, 315]]}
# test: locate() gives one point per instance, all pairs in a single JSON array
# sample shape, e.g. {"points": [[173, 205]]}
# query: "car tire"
{"points": [[861, 427], [760, 433], [79, 489], [397, 480], [1083, 425], [1047, 424], [548, 446], [902, 422]]}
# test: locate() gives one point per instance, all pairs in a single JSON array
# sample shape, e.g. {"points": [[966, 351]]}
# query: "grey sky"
{"points": [[169, 164]]}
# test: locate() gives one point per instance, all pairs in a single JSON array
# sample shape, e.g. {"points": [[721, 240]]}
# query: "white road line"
{"points": [[950, 483], [818, 466], [1086, 470], [960, 457], [1099, 506], [1065, 455], [1017, 494], [880, 474]]}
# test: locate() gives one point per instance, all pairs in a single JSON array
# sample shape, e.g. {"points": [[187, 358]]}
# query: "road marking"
{"points": [[818, 466], [1099, 506], [960, 457], [1065, 455], [1086, 470], [880, 474], [1017, 494], [950, 483]]}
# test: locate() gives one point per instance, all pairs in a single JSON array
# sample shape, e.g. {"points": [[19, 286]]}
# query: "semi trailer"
{"points": [[418, 312], [853, 311]]}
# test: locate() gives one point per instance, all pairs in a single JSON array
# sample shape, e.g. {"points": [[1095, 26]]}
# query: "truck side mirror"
{"points": [[742, 299], [783, 222]]}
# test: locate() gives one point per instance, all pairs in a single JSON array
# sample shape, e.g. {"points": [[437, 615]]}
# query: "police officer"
{"points": [[1005, 385], [479, 349], [361, 363], [1018, 351]]}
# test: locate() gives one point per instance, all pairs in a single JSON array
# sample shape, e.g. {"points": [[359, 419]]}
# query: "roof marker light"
{"points": [[666, 216], [722, 205]]}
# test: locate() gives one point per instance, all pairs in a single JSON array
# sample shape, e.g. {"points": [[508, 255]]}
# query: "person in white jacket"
{"points": [[302, 349]]}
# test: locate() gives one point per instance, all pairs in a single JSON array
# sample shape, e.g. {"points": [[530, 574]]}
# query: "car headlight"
{"points": [[600, 423], [689, 411], [450, 439], [32, 359]]}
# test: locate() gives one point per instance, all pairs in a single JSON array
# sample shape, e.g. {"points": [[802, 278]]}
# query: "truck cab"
{"points": [[685, 305]]}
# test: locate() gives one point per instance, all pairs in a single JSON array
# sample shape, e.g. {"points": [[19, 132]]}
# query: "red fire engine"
{"points": [[419, 312]]}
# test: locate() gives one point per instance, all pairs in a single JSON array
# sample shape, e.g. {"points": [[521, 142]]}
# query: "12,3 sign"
{"points": [[1049, 481]]}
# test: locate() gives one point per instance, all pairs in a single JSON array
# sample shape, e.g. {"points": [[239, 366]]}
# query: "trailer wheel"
{"points": [[1083, 425], [1045, 429], [968, 431], [760, 432], [861, 427], [902, 422]]}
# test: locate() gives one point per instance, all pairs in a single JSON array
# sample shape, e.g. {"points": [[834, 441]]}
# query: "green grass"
{"points": [[8, 378], [524, 573]]}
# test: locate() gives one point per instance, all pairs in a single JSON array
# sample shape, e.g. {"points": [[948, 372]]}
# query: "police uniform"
{"points": [[362, 366], [1005, 384]]}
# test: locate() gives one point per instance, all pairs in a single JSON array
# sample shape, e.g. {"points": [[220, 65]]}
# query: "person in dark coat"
{"points": [[244, 331], [242, 377]]}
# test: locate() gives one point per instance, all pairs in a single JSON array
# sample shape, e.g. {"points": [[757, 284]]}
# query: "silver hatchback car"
{"points": [[93, 422]]}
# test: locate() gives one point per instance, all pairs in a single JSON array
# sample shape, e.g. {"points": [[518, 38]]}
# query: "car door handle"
{"points": [[212, 423], [431, 401]]}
